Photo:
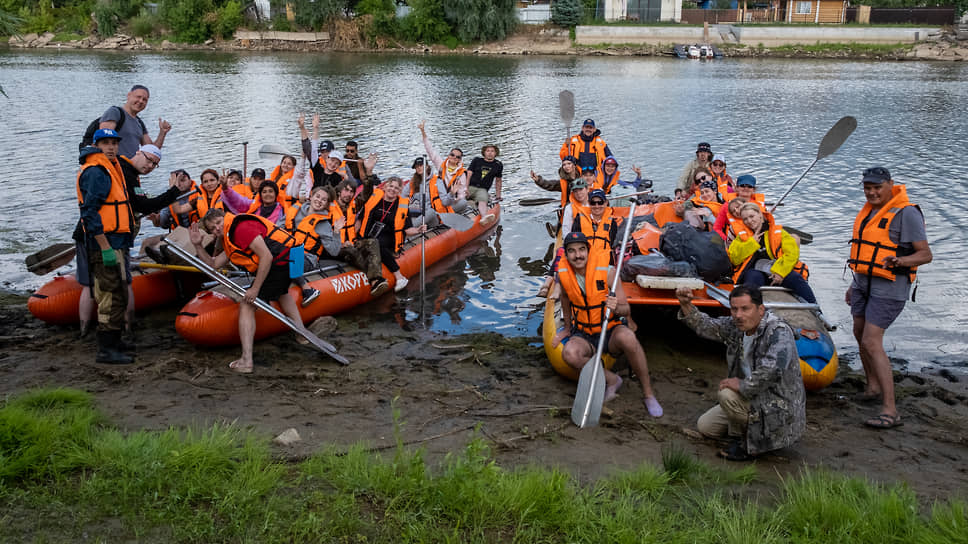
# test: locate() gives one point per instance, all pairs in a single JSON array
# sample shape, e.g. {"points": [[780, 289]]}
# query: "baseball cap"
{"points": [[610, 160], [597, 193], [578, 184], [151, 148], [417, 162], [106, 133], [877, 174], [259, 173], [719, 158], [588, 123], [746, 179], [326, 145], [574, 237], [571, 159], [704, 146], [336, 155], [237, 173]]}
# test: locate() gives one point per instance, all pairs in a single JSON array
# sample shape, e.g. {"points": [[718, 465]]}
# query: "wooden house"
{"points": [[816, 11]]}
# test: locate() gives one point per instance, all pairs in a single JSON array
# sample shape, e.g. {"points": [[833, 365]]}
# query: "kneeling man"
{"points": [[761, 402], [585, 277]]}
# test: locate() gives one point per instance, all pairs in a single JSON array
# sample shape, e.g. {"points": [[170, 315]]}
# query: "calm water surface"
{"points": [[766, 116]]}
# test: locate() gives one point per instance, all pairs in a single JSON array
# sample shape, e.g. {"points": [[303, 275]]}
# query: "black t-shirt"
{"points": [[385, 212], [483, 172]]}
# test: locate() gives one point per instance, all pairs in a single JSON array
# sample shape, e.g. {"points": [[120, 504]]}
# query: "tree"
{"points": [[481, 20], [566, 13], [424, 23]]}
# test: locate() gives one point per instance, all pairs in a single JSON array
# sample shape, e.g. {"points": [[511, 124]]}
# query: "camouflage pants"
{"points": [[110, 290], [365, 255]]}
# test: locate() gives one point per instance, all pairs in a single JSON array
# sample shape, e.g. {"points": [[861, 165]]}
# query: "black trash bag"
{"points": [[705, 250], [656, 264]]}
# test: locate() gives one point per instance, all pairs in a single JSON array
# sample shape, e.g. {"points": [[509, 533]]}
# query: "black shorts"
{"points": [[276, 284], [593, 338]]}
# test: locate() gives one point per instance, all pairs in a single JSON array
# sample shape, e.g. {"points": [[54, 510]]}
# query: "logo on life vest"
{"points": [[349, 283]]}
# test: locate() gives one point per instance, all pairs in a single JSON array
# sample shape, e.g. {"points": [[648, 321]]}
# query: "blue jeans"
{"points": [[792, 281]]}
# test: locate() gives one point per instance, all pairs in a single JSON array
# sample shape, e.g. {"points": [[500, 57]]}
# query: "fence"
{"points": [[922, 16], [714, 16]]}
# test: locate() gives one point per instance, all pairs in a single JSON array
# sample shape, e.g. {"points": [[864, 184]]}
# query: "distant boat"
{"points": [[700, 51]]}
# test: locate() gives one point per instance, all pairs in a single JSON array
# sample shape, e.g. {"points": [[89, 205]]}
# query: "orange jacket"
{"points": [[588, 306], [399, 218], [871, 240], [277, 239], [116, 214]]}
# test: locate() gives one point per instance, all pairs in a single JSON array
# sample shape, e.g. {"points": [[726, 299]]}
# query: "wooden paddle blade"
{"points": [[566, 106], [805, 237], [537, 201], [273, 152], [50, 258], [590, 394], [456, 221], [836, 136]]}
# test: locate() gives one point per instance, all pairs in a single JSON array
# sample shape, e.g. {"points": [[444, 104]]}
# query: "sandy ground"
{"points": [[445, 387]]}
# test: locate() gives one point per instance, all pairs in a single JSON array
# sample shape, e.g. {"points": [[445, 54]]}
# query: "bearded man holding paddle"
{"points": [[585, 277]]}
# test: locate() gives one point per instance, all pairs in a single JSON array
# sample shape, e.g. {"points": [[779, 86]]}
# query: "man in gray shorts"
{"points": [[887, 246]]}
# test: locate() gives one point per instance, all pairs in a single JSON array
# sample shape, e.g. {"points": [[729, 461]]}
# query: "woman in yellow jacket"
{"points": [[768, 254]]}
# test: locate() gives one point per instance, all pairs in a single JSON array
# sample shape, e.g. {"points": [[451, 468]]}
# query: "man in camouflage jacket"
{"points": [[761, 402]]}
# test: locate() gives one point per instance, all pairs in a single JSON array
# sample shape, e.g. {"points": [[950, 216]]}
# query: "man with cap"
{"points": [[587, 146], [319, 152], [578, 200], [597, 223], [704, 154], [132, 129], [888, 244], [585, 278], [106, 227], [484, 172]]}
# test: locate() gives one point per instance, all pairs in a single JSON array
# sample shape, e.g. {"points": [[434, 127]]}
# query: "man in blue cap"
{"points": [[586, 278], [587, 146], [107, 222]]}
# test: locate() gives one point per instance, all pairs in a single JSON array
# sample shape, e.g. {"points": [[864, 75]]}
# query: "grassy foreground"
{"points": [[66, 475]]}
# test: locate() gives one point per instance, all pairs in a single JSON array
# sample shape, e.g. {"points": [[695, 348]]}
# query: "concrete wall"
{"points": [[769, 36], [282, 36]]}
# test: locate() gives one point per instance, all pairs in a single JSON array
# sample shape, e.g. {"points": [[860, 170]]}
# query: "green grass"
{"points": [[853, 48], [68, 476]]}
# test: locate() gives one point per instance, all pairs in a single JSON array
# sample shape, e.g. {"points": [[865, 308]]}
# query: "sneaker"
{"points": [[309, 295], [380, 286], [401, 285]]}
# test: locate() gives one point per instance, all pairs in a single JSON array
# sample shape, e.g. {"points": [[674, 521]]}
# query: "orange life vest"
{"points": [[244, 189], [207, 202], [588, 307], [599, 233], [448, 183], [666, 213], [871, 240], [774, 250], [600, 182], [277, 240], [399, 218], [191, 216], [305, 233], [576, 147], [736, 227], [700, 203], [565, 192], [724, 183], [283, 182], [116, 213], [348, 232], [759, 198]]}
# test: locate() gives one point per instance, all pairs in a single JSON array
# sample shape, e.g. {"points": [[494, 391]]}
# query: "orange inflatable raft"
{"points": [[211, 318], [56, 302]]}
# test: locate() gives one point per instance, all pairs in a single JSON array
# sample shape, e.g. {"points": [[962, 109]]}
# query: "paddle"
{"points": [[423, 240], [272, 151], [245, 160], [830, 143], [805, 237], [323, 346], [566, 108], [591, 382], [537, 201], [50, 258]]}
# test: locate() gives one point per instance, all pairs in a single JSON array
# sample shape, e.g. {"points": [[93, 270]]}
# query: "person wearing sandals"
{"points": [[762, 404], [888, 244]]}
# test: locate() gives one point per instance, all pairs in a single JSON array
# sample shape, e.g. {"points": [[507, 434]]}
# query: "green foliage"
{"points": [[228, 18], [481, 20], [566, 13], [106, 15], [281, 23], [316, 13], [383, 20], [143, 25], [425, 22], [187, 19]]}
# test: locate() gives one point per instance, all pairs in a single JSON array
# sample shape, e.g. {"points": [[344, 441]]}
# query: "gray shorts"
{"points": [[875, 310], [477, 194]]}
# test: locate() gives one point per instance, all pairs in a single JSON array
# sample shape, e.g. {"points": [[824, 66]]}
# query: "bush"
{"points": [[281, 24], [481, 20], [187, 19], [315, 13], [383, 17], [424, 23], [143, 25], [566, 13], [228, 18]]}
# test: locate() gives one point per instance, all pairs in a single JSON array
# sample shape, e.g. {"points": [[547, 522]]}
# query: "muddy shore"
{"points": [[447, 388]]}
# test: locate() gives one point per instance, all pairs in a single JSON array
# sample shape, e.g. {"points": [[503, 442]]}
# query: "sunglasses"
{"points": [[457, 156], [702, 178], [154, 163], [597, 202], [747, 186]]}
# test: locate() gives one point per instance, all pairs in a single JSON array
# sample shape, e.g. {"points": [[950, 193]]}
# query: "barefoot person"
{"points": [[585, 277], [761, 402], [888, 244], [254, 243]]}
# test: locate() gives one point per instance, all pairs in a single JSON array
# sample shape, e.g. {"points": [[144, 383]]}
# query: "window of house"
{"points": [[803, 8]]}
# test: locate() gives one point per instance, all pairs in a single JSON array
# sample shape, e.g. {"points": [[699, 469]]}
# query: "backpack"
{"points": [[705, 250], [88, 138]]}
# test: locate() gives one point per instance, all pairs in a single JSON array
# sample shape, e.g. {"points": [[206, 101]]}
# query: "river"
{"points": [[766, 116]]}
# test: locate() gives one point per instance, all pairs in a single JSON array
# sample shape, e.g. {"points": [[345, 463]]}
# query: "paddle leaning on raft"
{"points": [[211, 318]]}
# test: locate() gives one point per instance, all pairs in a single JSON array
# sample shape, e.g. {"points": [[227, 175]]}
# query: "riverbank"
{"points": [[439, 392], [941, 46]]}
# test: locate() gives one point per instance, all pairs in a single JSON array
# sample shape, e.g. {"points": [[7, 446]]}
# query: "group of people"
{"points": [[761, 402], [333, 206]]}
